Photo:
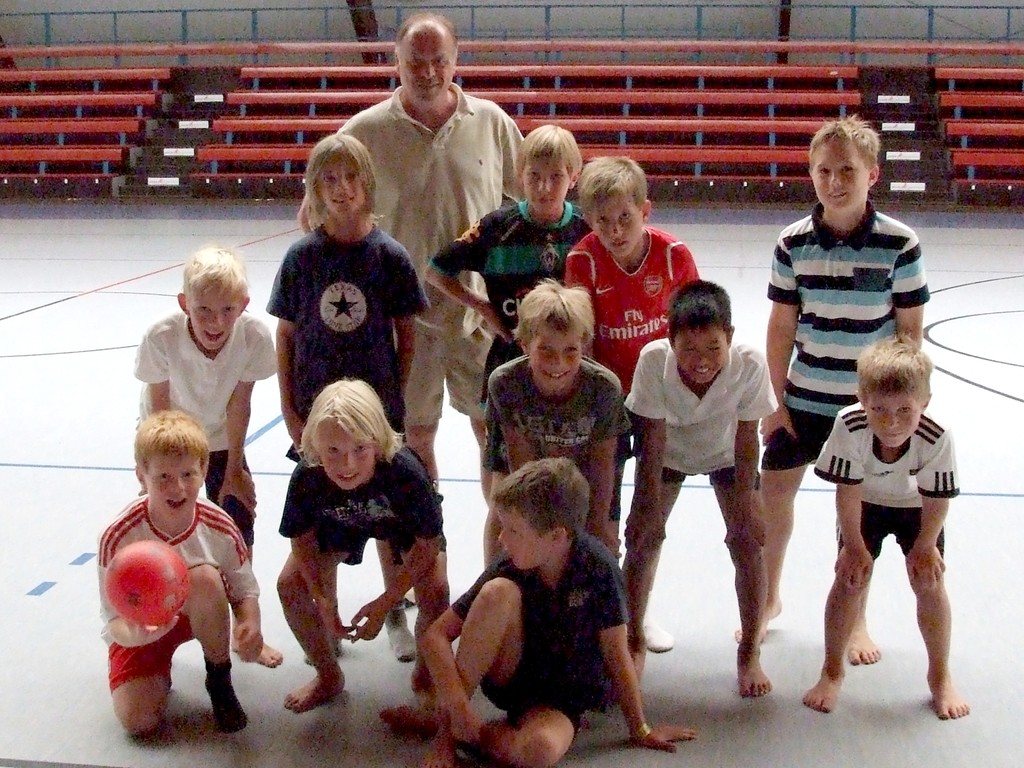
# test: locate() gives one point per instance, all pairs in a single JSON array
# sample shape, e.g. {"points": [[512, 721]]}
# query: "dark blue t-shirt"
{"points": [[398, 505], [343, 299], [562, 626]]}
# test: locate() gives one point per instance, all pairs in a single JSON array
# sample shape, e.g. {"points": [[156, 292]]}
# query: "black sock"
{"points": [[227, 711]]}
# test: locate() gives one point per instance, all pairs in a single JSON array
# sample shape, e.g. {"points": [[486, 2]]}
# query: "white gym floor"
{"points": [[82, 281]]}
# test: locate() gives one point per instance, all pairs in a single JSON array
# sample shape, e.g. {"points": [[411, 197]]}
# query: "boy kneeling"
{"points": [[895, 472], [543, 633]]}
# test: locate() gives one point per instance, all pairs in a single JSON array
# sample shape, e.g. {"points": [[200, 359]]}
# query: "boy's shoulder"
{"points": [[169, 325]]}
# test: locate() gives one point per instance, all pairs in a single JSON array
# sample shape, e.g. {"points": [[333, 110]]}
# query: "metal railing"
{"points": [[477, 21]]}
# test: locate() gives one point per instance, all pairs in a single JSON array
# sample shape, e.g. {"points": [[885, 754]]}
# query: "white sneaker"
{"points": [[402, 643], [658, 640]]}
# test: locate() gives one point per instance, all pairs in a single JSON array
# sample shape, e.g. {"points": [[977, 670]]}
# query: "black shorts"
{"points": [[877, 522], [244, 518], [720, 478], [524, 692], [783, 451]]}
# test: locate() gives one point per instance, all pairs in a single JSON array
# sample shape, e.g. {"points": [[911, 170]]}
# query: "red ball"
{"points": [[147, 582]]}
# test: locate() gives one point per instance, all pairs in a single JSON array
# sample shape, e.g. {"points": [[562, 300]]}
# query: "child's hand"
{"points": [[925, 566], [367, 624], [240, 485], [493, 322], [778, 420], [663, 737], [248, 640], [853, 568], [132, 635]]}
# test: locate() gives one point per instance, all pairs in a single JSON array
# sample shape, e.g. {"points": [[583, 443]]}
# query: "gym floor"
{"points": [[83, 280]]}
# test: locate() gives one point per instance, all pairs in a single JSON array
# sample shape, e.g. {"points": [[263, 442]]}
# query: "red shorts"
{"points": [[150, 660]]}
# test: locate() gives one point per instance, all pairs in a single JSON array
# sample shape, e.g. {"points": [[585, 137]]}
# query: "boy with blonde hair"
{"points": [[205, 360], [628, 268], [519, 244], [555, 402], [356, 482], [841, 278], [516, 246], [895, 471], [171, 455], [542, 633]]}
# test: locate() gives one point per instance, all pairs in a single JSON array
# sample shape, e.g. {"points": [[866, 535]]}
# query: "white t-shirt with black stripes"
{"points": [[926, 466]]}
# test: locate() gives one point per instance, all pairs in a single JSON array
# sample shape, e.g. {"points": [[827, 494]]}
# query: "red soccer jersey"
{"points": [[630, 309]]}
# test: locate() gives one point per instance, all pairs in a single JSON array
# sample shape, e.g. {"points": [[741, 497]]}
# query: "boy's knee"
{"points": [[140, 724], [205, 583], [744, 545], [290, 584], [542, 750], [499, 597], [643, 537]]}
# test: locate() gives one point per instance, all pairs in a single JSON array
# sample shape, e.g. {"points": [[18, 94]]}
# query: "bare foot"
{"points": [[442, 750], [318, 691], [270, 657], [947, 703], [771, 612], [862, 649], [410, 721], [753, 682], [823, 696]]}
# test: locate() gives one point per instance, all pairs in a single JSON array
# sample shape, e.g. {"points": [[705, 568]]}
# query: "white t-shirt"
{"points": [[200, 386], [700, 432], [927, 466], [212, 538]]}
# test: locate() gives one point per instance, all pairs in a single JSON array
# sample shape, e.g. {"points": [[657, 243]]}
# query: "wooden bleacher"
{"points": [[738, 122], [982, 110], [74, 126]]}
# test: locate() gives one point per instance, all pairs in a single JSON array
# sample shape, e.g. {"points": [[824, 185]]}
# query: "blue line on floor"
{"points": [[263, 430], [83, 558], [41, 588]]}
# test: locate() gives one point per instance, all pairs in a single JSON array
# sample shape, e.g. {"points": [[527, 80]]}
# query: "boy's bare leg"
{"points": [[751, 584], [861, 648], [644, 539], [307, 624], [934, 619], [540, 738], [140, 704], [841, 611], [432, 594], [490, 645], [778, 494]]}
